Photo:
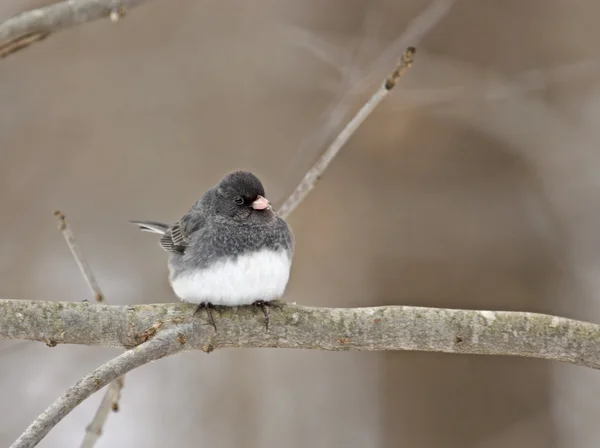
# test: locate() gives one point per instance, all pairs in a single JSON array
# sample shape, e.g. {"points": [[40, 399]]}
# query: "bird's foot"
{"points": [[264, 306], [208, 307]]}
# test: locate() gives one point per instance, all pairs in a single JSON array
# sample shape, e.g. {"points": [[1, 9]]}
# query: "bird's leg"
{"points": [[208, 307], [264, 305]]}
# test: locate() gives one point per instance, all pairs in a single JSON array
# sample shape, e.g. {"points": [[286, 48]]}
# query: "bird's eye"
{"points": [[239, 200]]}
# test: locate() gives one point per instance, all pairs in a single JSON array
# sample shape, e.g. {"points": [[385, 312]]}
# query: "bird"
{"points": [[229, 249]]}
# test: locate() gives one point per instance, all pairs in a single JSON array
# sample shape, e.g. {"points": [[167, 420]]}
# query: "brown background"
{"points": [[473, 185]]}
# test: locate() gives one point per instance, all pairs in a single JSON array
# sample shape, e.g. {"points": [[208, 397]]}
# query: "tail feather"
{"points": [[151, 226]]}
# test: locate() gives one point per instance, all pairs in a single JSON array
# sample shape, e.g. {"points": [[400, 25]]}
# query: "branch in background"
{"points": [[113, 392], [411, 328], [313, 175], [84, 267], [109, 403], [29, 27], [494, 87], [167, 343], [355, 81], [20, 42]]}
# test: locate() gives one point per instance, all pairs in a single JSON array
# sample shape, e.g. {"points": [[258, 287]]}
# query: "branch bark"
{"points": [[166, 343], [32, 26], [530, 335]]}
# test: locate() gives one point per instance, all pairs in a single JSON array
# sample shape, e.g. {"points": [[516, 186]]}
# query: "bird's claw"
{"points": [[264, 306], [208, 307]]}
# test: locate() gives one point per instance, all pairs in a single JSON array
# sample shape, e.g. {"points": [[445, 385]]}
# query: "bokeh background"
{"points": [[473, 185]]}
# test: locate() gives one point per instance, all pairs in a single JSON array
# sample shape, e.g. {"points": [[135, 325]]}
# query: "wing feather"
{"points": [[176, 238]]}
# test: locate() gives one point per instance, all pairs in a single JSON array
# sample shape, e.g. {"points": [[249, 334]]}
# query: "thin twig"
{"points": [[22, 30], [113, 392], [355, 80], [109, 403], [313, 175], [21, 42], [84, 267], [167, 344]]}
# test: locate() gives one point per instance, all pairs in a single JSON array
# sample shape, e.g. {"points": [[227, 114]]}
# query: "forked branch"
{"points": [[165, 344]]}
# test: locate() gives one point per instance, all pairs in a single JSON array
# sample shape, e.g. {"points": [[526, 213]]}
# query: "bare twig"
{"points": [[84, 267], [113, 392], [354, 80], [21, 42], [167, 343], [109, 403], [416, 30], [313, 175], [32, 26]]}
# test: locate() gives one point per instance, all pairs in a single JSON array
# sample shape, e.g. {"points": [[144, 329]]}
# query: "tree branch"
{"points": [[355, 80], [167, 343], [22, 30], [313, 175], [530, 335]]}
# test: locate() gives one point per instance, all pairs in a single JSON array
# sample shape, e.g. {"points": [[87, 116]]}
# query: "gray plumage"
{"points": [[230, 237]]}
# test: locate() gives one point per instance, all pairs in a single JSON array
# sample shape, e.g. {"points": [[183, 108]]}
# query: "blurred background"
{"points": [[473, 185]]}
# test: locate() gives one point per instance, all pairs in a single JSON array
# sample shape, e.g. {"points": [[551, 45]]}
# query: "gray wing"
{"points": [[288, 235], [177, 237]]}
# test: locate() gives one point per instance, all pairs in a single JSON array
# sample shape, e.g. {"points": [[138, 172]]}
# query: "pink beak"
{"points": [[260, 203]]}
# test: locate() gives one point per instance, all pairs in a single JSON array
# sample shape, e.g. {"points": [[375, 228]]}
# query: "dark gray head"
{"points": [[240, 195]]}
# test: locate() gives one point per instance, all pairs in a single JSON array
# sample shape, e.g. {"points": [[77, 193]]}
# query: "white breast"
{"points": [[262, 275]]}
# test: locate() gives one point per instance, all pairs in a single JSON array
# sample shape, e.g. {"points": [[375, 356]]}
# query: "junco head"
{"points": [[230, 248], [240, 196]]}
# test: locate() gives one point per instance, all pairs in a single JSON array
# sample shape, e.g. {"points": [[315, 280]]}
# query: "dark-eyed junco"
{"points": [[230, 248]]}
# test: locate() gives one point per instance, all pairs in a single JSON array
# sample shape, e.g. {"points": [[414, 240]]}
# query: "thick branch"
{"points": [[28, 27], [164, 344], [375, 328]]}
